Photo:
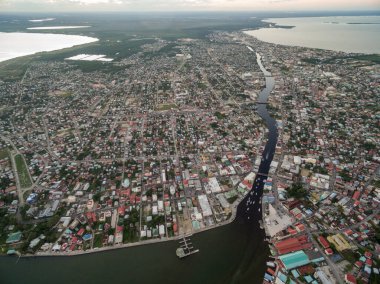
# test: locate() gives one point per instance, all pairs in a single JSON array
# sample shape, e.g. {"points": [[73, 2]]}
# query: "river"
{"points": [[235, 253]]}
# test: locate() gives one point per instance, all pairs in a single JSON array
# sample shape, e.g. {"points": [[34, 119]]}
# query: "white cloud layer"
{"points": [[173, 5]]}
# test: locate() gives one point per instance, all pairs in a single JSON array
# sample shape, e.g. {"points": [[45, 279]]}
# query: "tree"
{"points": [[297, 191]]}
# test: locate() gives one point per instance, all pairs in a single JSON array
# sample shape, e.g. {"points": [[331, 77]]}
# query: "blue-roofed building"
{"points": [[87, 237], [294, 260], [308, 278], [295, 273], [268, 277], [282, 277], [336, 257]]}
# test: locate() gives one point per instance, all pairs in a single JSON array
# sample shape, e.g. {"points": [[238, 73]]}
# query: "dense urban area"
{"points": [[169, 143]]}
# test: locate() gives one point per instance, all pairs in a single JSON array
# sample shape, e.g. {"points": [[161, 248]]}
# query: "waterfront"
{"points": [[359, 34], [235, 253], [22, 44]]}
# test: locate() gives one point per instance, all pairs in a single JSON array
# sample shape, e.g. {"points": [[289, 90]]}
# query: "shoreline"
{"points": [[139, 243]]}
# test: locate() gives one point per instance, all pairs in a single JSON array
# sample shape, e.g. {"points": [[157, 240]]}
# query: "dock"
{"points": [[186, 248]]}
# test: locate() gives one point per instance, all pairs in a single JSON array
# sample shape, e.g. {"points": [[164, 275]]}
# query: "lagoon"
{"points": [[357, 34], [58, 27], [20, 44]]}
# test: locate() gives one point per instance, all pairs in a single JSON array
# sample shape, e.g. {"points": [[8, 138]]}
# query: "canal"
{"points": [[235, 253]]}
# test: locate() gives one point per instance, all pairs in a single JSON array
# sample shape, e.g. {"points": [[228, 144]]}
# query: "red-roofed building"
{"points": [[329, 251], [348, 232], [125, 192], [133, 198], [300, 227], [121, 210], [323, 242], [80, 232], [292, 231], [356, 195], [349, 279], [293, 244], [368, 254], [358, 264], [89, 217], [270, 271], [247, 184], [368, 262]]}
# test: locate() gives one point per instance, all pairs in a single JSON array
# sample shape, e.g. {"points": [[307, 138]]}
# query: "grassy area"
{"points": [[22, 171], [232, 199], [4, 154], [98, 241], [163, 107]]}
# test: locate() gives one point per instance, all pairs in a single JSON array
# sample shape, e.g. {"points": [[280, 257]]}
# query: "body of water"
{"points": [[58, 27], [20, 44], [359, 34]]}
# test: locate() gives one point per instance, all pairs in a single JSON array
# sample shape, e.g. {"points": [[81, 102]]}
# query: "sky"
{"points": [[185, 5]]}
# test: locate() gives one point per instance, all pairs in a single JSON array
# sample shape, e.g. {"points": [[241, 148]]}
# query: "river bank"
{"points": [[141, 243]]}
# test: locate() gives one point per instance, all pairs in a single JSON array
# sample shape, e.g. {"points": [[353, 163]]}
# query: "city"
{"points": [[171, 143]]}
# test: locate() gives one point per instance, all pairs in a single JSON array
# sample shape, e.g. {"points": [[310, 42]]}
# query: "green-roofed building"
{"points": [[294, 259], [14, 238]]}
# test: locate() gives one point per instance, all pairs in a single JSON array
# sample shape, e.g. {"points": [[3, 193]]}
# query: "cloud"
{"points": [[184, 5], [94, 2]]}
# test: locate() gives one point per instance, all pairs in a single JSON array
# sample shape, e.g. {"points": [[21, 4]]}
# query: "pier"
{"points": [[186, 248]]}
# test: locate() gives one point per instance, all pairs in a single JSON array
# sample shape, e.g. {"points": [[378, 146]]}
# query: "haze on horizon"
{"points": [[185, 5]]}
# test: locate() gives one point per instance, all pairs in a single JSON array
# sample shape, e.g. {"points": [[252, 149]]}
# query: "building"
{"points": [[293, 260], [323, 242], [349, 279], [14, 238], [293, 244], [339, 242]]}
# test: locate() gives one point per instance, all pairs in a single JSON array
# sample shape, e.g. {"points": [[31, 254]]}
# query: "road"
{"points": [[335, 270]]}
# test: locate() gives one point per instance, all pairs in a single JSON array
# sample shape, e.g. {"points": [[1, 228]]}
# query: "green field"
{"points": [[22, 172]]}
